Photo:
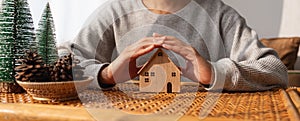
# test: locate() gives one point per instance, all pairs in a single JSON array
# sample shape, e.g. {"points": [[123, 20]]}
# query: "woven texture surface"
{"points": [[55, 90], [268, 105], [10, 88], [192, 101], [26, 98]]}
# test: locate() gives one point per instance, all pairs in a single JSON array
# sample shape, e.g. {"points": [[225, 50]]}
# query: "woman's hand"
{"points": [[124, 68], [197, 68]]}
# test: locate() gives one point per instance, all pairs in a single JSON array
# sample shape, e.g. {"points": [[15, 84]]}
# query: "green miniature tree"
{"points": [[46, 37], [16, 34]]}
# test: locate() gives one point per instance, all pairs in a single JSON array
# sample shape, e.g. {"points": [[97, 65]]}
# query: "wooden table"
{"points": [[125, 102]]}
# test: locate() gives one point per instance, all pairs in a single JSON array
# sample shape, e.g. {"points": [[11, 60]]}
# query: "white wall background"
{"points": [[291, 18], [264, 16], [69, 15]]}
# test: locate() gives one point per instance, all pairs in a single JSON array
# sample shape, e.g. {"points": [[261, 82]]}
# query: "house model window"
{"points": [[159, 74], [173, 74], [152, 73], [160, 54]]}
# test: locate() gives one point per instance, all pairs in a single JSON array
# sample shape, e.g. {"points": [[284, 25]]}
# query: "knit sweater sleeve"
{"points": [[249, 66], [94, 44]]}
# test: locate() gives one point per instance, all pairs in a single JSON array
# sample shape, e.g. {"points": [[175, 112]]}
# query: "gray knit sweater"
{"points": [[240, 62]]}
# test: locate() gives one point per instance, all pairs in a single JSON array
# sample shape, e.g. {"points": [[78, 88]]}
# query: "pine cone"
{"points": [[66, 70], [31, 68]]}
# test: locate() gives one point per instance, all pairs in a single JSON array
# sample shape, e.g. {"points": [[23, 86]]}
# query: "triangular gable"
{"points": [[153, 56]]}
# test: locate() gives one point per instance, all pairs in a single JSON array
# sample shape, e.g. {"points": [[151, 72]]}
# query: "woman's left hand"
{"points": [[197, 68]]}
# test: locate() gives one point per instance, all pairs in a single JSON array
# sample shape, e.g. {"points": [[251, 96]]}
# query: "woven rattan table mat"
{"points": [[26, 98], [192, 101]]}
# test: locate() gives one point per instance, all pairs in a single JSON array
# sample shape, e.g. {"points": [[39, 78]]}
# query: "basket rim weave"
{"points": [[61, 91], [89, 78]]}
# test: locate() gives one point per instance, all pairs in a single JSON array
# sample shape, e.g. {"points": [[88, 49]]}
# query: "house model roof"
{"points": [[153, 56]]}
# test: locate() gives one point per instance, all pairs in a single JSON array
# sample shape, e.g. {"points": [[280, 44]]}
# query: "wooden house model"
{"points": [[159, 74]]}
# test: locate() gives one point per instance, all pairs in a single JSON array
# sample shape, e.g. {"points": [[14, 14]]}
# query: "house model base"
{"points": [[159, 74]]}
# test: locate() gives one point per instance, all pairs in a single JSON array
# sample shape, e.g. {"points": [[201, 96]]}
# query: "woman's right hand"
{"points": [[124, 68]]}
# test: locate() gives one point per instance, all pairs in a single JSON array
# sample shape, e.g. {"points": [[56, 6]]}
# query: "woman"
{"points": [[218, 49]]}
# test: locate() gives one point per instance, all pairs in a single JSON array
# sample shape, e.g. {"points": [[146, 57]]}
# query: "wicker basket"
{"points": [[55, 91], [10, 87]]}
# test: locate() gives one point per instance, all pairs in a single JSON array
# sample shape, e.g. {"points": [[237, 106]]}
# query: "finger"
{"points": [[174, 41], [185, 51], [171, 38], [159, 38], [148, 40], [157, 35], [143, 50], [151, 40], [175, 44], [174, 48], [144, 46]]}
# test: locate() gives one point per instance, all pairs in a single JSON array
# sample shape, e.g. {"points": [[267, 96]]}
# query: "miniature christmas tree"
{"points": [[46, 37], [16, 34]]}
